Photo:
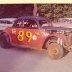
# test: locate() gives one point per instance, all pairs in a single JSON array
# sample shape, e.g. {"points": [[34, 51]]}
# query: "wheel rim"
{"points": [[53, 51]]}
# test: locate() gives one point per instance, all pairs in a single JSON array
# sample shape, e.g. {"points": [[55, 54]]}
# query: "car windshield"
{"points": [[43, 23]]}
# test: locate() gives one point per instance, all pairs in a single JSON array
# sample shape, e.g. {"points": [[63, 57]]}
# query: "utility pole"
{"points": [[35, 10]]}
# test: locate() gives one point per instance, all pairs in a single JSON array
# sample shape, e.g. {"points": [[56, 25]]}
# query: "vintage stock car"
{"points": [[38, 33]]}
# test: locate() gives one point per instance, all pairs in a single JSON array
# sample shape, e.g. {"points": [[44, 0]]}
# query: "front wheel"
{"points": [[4, 41], [55, 51]]}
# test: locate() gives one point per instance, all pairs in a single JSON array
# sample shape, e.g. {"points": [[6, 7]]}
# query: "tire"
{"points": [[4, 41], [52, 43], [55, 51]]}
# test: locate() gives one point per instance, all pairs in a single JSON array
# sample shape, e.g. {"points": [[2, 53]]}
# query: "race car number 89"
{"points": [[22, 34]]}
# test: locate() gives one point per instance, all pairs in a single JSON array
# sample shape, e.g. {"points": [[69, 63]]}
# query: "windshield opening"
{"points": [[43, 23]]}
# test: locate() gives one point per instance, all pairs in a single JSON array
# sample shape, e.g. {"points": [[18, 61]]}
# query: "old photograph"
{"points": [[36, 37]]}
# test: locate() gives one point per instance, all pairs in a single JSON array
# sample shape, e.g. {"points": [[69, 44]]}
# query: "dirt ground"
{"points": [[26, 60]]}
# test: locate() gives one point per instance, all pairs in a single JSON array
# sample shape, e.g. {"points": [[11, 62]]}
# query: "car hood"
{"points": [[56, 28], [62, 24]]}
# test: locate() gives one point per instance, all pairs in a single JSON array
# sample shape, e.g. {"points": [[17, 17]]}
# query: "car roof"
{"points": [[33, 17], [8, 19]]}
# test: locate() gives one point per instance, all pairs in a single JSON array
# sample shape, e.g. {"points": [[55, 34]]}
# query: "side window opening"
{"points": [[18, 23], [43, 23], [26, 23], [32, 24]]}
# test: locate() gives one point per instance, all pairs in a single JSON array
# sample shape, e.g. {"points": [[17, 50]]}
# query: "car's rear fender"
{"points": [[61, 39]]}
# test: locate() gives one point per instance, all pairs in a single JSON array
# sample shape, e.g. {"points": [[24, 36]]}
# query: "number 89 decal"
{"points": [[22, 34]]}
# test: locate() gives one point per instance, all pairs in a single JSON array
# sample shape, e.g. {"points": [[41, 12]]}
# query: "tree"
{"points": [[55, 10]]}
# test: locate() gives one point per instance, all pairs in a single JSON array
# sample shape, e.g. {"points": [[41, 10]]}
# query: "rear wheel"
{"points": [[55, 51], [4, 41]]}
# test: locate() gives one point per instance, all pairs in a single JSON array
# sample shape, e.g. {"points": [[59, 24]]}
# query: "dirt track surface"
{"points": [[26, 60]]}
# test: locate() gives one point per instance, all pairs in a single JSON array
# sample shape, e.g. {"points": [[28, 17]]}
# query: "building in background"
{"points": [[17, 10]]}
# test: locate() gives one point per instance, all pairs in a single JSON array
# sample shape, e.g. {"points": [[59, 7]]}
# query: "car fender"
{"points": [[61, 39]]}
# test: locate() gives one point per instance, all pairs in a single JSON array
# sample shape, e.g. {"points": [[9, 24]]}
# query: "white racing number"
{"points": [[13, 31], [59, 41]]}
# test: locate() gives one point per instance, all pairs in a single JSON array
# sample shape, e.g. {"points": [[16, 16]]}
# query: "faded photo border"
{"points": [[33, 1]]}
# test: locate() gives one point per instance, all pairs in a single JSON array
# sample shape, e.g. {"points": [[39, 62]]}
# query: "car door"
{"points": [[26, 33]]}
